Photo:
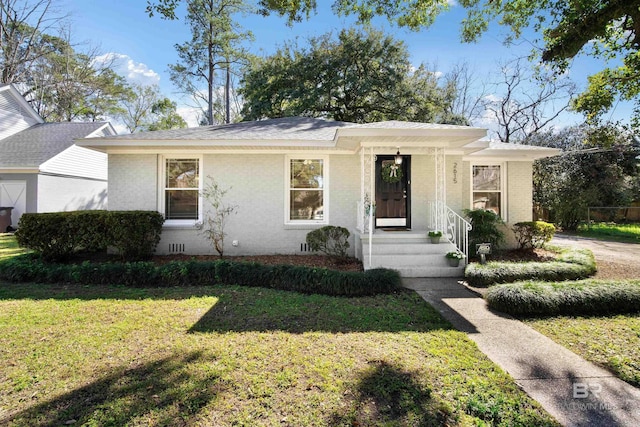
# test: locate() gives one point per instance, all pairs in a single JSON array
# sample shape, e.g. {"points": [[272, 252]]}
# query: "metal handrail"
{"points": [[453, 226]]}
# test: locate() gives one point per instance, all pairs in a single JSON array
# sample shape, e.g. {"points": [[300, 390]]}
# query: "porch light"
{"points": [[398, 158]]}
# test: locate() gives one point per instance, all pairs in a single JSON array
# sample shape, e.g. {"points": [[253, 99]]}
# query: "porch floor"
{"points": [[410, 252]]}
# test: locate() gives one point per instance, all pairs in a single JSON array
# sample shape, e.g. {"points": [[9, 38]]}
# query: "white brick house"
{"points": [[289, 176]]}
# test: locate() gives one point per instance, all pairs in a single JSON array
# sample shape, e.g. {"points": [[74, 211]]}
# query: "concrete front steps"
{"points": [[411, 253]]}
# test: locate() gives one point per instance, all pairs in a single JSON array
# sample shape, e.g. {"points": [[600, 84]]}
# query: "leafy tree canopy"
{"points": [[212, 56], [66, 85], [598, 167], [144, 108], [357, 77], [609, 29]]}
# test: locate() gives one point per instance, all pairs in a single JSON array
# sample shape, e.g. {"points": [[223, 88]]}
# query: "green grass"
{"points": [[242, 356], [237, 356], [612, 342], [625, 233], [9, 247]]}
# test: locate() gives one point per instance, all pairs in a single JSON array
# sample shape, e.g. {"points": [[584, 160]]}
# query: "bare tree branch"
{"points": [[525, 102]]}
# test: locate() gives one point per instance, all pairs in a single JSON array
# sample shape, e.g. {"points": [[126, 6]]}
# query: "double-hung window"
{"points": [[306, 190], [487, 188], [181, 190]]}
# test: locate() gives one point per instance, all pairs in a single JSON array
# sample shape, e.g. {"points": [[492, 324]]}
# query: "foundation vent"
{"points": [[304, 247], [176, 248]]}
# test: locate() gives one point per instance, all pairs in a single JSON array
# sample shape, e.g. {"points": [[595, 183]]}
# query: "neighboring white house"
{"points": [[291, 175], [41, 170]]}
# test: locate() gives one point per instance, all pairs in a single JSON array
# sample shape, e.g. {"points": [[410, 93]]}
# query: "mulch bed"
{"points": [[349, 264], [520, 255]]}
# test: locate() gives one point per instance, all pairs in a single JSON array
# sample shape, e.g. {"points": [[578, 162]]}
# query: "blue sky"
{"points": [[145, 45]]}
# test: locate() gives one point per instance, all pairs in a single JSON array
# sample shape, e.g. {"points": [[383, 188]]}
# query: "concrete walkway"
{"points": [[574, 391]]}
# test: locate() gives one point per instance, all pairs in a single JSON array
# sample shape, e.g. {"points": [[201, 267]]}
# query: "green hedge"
{"points": [[56, 236], [31, 268], [571, 264], [533, 234], [576, 298]]}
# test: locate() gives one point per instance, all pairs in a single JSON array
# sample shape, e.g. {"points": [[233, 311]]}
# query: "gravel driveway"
{"points": [[615, 260]]}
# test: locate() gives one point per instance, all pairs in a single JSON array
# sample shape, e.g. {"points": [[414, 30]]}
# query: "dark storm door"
{"points": [[393, 199]]}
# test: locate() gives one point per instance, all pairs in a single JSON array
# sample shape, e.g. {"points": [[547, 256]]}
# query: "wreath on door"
{"points": [[391, 173]]}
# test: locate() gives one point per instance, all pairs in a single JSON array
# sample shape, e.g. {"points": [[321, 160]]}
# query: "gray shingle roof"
{"points": [[397, 124], [288, 128], [37, 144]]}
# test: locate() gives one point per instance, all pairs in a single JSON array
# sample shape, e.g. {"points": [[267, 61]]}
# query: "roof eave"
{"points": [[23, 102], [19, 169], [106, 143], [514, 154]]}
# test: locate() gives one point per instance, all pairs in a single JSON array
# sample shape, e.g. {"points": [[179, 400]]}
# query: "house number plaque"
{"points": [[455, 172], [483, 249]]}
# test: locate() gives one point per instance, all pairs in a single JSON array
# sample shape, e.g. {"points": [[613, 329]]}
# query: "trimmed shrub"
{"points": [[47, 234], [576, 298], [31, 268], [486, 229], [134, 234], [533, 234], [571, 264], [58, 235], [330, 240]]}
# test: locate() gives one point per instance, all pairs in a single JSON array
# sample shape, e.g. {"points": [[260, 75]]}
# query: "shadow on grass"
{"points": [[62, 292], [388, 395], [163, 391], [264, 310], [249, 309]]}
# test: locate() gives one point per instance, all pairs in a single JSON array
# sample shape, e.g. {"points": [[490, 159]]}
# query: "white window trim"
{"points": [[162, 168], [325, 189], [504, 211]]}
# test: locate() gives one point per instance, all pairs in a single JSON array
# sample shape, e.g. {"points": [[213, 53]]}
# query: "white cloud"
{"points": [[487, 119], [134, 72], [120, 128], [190, 115]]}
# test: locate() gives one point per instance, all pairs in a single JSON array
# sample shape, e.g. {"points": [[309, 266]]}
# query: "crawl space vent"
{"points": [[176, 248], [304, 247]]}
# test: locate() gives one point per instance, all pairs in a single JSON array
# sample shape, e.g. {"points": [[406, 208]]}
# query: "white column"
{"points": [[441, 190]]}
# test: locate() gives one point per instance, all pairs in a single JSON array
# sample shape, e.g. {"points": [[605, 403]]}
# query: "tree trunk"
{"points": [[227, 95]]}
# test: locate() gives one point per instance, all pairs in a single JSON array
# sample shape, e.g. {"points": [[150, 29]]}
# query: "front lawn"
{"points": [[612, 342], [224, 355], [9, 247], [625, 233]]}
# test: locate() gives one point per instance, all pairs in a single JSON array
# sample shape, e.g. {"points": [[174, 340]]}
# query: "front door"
{"points": [[393, 196]]}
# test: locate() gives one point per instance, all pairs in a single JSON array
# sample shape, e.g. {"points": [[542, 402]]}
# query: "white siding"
{"points": [[58, 194], [77, 161], [13, 115]]}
